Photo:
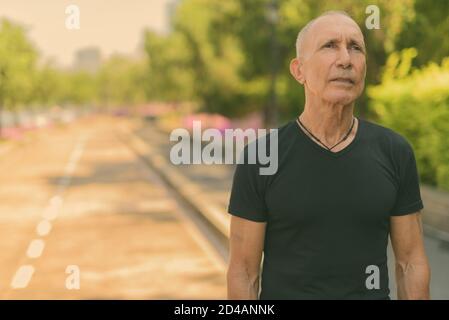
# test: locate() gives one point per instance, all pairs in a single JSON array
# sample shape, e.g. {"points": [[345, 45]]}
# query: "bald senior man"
{"points": [[343, 185]]}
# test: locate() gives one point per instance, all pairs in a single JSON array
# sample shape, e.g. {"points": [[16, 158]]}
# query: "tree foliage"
{"points": [[415, 102]]}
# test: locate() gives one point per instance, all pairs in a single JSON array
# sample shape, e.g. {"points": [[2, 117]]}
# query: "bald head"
{"points": [[305, 31], [331, 59]]}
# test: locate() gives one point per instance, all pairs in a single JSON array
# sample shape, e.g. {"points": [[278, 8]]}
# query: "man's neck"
{"points": [[328, 122]]}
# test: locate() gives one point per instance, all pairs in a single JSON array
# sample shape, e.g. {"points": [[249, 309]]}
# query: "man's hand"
{"points": [[412, 267]]}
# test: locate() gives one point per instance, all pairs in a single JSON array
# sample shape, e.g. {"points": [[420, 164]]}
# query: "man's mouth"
{"points": [[343, 80]]}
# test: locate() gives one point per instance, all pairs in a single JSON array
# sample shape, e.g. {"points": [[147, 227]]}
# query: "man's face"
{"points": [[332, 63]]}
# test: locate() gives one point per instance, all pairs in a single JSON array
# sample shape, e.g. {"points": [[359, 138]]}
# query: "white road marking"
{"points": [[35, 248], [56, 201], [43, 228], [24, 274], [22, 277], [50, 213], [52, 210], [75, 157], [70, 167]]}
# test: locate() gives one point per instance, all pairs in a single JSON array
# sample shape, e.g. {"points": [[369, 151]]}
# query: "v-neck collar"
{"points": [[315, 145]]}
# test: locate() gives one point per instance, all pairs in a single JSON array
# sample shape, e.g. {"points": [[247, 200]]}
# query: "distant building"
{"points": [[87, 59]]}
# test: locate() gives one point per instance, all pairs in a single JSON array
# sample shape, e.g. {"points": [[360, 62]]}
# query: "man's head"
{"points": [[330, 60]]}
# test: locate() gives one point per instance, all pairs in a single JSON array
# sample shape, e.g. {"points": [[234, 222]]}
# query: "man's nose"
{"points": [[343, 59]]}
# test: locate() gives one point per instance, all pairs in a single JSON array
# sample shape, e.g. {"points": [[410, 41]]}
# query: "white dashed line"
{"points": [[52, 210], [43, 228], [24, 274], [22, 277], [35, 248], [56, 201]]}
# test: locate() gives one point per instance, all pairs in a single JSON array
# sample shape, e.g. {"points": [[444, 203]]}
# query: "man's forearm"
{"points": [[412, 280], [242, 286]]}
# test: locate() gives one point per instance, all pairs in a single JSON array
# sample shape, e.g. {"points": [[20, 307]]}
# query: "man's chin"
{"points": [[341, 97]]}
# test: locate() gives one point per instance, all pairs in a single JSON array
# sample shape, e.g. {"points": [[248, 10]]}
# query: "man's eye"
{"points": [[356, 47], [329, 45]]}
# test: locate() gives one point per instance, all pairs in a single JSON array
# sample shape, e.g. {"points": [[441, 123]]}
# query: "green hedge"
{"points": [[415, 103]]}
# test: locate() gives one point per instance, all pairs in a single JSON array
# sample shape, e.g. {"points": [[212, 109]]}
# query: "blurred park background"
{"points": [[224, 62]]}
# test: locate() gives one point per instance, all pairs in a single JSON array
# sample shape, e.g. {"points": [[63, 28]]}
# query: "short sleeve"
{"points": [[247, 193], [408, 199]]}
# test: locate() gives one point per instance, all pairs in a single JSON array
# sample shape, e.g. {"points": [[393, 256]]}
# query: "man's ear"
{"points": [[295, 71]]}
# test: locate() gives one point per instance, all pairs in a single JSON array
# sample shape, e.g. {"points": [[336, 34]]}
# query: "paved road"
{"points": [[216, 181], [77, 204]]}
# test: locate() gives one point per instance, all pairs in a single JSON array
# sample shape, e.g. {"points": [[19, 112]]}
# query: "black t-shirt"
{"points": [[328, 214]]}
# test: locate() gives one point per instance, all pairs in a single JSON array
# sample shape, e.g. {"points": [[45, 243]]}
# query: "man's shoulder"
{"points": [[272, 145], [275, 135], [385, 136]]}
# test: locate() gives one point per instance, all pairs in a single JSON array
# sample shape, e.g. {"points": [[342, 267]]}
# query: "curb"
{"points": [[436, 233], [190, 192]]}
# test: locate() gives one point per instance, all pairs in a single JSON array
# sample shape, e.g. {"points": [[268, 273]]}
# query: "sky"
{"points": [[113, 26]]}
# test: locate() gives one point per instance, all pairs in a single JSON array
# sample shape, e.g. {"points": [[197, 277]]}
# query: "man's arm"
{"points": [[246, 247], [412, 267]]}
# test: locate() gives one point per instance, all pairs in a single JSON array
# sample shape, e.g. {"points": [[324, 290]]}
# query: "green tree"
{"points": [[17, 66], [48, 85], [169, 76], [213, 52], [427, 32], [292, 16], [121, 81]]}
